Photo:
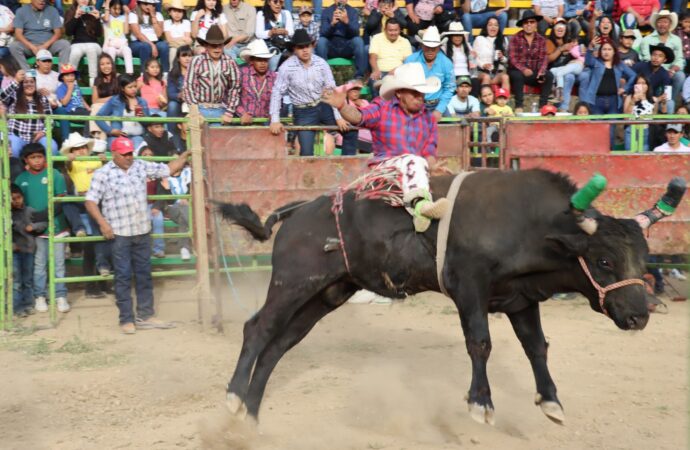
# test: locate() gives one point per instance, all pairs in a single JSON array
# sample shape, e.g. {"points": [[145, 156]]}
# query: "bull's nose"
{"points": [[638, 322]]}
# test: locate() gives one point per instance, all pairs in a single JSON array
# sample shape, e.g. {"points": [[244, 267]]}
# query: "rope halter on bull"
{"points": [[581, 201]]}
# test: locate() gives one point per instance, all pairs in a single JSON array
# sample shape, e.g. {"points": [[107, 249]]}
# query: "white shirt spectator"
{"points": [[6, 18], [668, 149], [457, 107], [207, 22], [146, 28], [285, 21], [49, 81], [177, 30]]}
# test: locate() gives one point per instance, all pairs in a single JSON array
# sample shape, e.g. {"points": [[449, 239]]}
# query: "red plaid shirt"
{"points": [[395, 132], [255, 95], [523, 56]]}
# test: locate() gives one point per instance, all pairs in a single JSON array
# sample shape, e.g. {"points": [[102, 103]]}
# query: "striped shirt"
{"points": [[122, 195], [25, 128], [213, 83], [303, 84]]}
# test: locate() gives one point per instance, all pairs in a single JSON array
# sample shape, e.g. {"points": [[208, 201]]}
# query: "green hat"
{"points": [[463, 79]]}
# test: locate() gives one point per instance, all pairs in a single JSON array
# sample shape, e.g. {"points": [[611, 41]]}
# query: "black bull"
{"points": [[513, 242]]}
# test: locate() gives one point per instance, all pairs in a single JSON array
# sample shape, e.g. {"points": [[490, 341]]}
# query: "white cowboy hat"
{"points": [[430, 37], [673, 17], [256, 48], [409, 76], [75, 140], [455, 28]]}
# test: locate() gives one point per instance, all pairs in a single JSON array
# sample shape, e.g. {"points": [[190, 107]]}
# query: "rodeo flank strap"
{"points": [[444, 227], [337, 209]]}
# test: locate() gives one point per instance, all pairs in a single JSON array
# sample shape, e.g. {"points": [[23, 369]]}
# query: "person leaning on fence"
{"points": [[22, 97], [404, 135], [24, 231], [528, 61], [257, 83], [120, 189], [34, 184], [213, 79], [241, 26], [38, 26], [303, 77], [438, 65]]}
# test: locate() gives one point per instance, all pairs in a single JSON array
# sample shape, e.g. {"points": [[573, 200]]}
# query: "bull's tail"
{"points": [[245, 217]]}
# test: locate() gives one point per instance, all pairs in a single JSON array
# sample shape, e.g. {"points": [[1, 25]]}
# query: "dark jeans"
{"points": [[22, 281], [143, 52], [321, 114], [338, 47], [174, 110], [73, 212], [518, 82], [132, 259], [65, 124], [606, 104]]}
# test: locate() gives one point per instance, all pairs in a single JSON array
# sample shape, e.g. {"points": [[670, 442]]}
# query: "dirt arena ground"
{"points": [[367, 377]]}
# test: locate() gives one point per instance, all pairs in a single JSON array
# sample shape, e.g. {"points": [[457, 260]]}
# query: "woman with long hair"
{"points": [[125, 104], [274, 25], [563, 53], [146, 33], [458, 50], [104, 87], [22, 97], [83, 23], [206, 14], [641, 102], [491, 53], [175, 84]]}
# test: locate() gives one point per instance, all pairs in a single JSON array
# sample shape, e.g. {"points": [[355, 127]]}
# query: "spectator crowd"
{"points": [[140, 58]]}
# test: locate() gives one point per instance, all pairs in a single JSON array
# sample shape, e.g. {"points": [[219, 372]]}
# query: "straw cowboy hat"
{"points": [[175, 4], [75, 140], [455, 28], [409, 76], [430, 37], [256, 49], [673, 17], [214, 36]]}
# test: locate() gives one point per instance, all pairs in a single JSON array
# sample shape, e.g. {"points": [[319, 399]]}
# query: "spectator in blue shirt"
{"points": [[441, 68], [340, 36], [70, 98]]}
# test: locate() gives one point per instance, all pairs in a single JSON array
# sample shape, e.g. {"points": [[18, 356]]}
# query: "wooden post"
{"points": [[203, 288]]}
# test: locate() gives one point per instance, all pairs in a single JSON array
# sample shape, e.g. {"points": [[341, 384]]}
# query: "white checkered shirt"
{"points": [[122, 195]]}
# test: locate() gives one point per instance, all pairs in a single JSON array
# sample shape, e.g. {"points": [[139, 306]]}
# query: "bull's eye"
{"points": [[604, 263]]}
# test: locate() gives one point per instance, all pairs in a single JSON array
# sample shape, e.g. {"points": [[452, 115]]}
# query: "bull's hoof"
{"points": [[481, 414], [234, 404], [552, 410]]}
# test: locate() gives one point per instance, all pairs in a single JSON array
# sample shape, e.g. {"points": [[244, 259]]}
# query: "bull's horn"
{"points": [[666, 205], [582, 199]]}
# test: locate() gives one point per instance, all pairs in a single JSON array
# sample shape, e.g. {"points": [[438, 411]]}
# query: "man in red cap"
{"points": [[123, 217]]}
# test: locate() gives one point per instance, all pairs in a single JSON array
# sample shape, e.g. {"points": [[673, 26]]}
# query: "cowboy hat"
{"points": [[75, 140], [455, 28], [430, 37], [529, 14], [668, 52], [175, 4], [214, 36], [409, 76], [256, 49], [301, 37], [673, 17]]}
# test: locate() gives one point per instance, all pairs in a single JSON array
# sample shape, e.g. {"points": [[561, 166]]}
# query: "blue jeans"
{"points": [[478, 20], [132, 259], [338, 47], [17, 144], [22, 281], [4, 51], [568, 83], [212, 113], [321, 114], [675, 5], [606, 104], [157, 226], [100, 248], [73, 213], [143, 52], [174, 110], [41, 268]]}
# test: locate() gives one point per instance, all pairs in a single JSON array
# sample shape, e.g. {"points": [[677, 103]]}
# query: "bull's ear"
{"points": [[570, 244]]}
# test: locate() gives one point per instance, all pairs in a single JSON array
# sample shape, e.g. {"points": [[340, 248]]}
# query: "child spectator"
{"points": [[6, 30], [463, 104], [178, 210], [33, 184], [155, 208], [146, 26], [501, 107], [159, 140], [177, 29], [257, 82], [116, 29], [206, 14], [354, 97], [152, 87], [305, 22], [24, 231], [82, 21], [125, 104], [71, 100], [581, 109], [22, 97], [548, 110], [458, 50], [176, 101]]}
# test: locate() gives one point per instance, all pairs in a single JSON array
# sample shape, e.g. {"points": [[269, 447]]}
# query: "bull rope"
{"points": [[337, 209]]}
